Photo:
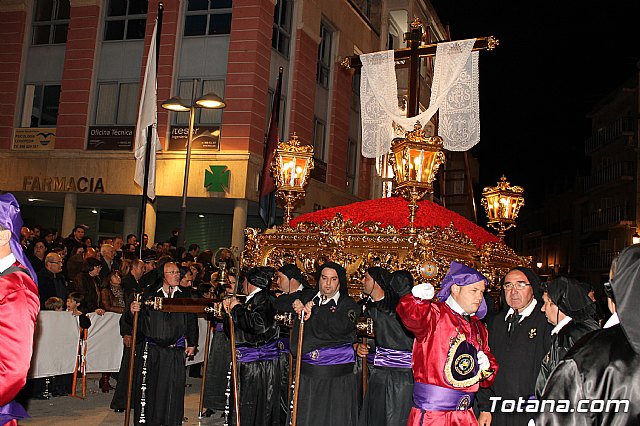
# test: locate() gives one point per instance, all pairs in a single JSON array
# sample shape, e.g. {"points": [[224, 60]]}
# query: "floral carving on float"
{"points": [[374, 233]]}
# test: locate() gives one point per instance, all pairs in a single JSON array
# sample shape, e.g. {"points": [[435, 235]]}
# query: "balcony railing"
{"points": [[604, 136], [605, 217], [612, 173], [600, 261]]}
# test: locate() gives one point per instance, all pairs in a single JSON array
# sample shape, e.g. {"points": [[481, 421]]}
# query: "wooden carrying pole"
{"points": [[204, 367], [365, 372], [296, 390], [234, 369], [132, 357]]}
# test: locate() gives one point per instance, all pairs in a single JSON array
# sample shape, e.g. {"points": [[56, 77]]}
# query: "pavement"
{"points": [[94, 409]]}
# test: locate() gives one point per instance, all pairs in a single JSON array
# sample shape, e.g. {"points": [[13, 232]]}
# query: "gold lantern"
{"points": [[415, 160], [502, 204], [291, 166]]}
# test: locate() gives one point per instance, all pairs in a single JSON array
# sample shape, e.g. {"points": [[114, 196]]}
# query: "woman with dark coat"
{"points": [[88, 283]]}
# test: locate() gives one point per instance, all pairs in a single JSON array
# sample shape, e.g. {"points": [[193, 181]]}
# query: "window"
{"points": [[50, 22], [203, 116], [207, 17], [352, 165], [370, 10], [41, 104], [126, 20], [324, 56], [319, 127], [282, 27], [117, 103]]}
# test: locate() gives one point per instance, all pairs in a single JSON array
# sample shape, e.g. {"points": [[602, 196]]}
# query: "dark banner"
{"points": [[205, 138], [111, 138]]}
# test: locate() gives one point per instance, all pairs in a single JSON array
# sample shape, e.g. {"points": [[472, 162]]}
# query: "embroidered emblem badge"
{"points": [[532, 333], [315, 354], [464, 403]]}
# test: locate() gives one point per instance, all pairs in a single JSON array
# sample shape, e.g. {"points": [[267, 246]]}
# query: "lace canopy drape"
{"points": [[454, 91]]}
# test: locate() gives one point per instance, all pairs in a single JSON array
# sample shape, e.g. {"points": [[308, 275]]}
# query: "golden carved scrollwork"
{"points": [[427, 254]]}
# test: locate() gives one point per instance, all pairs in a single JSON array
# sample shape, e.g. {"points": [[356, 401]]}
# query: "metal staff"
{"points": [[132, 355], [204, 367], [296, 390]]}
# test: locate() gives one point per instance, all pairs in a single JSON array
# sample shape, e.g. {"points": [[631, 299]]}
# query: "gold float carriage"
{"points": [[378, 232]]}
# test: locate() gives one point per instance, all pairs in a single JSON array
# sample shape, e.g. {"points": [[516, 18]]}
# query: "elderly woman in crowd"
{"points": [[88, 283]]}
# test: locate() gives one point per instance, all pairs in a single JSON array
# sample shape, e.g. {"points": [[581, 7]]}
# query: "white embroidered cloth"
{"points": [[454, 91]]}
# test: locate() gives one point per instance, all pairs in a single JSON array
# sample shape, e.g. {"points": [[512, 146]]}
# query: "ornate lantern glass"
{"points": [[415, 160], [502, 204], [292, 163]]}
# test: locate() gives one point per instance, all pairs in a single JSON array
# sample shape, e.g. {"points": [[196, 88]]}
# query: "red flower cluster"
{"points": [[395, 211]]}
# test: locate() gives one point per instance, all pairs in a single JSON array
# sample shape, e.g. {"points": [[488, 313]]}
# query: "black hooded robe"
{"points": [[218, 368], [389, 394], [327, 394], [163, 372], [259, 380], [604, 366]]}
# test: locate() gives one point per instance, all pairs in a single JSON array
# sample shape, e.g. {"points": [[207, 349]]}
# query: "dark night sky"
{"points": [[554, 61]]}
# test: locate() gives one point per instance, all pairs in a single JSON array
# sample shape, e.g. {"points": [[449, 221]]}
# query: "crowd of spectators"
{"points": [[77, 275]]}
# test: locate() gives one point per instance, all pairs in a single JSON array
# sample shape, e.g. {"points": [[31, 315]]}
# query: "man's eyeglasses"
{"points": [[59, 262], [518, 285], [172, 272]]}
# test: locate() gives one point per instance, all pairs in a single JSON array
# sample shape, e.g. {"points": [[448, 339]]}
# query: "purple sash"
{"points": [[12, 411], [386, 357], [263, 353], [341, 354], [219, 327], [435, 398], [283, 345], [371, 357], [181, 343]]}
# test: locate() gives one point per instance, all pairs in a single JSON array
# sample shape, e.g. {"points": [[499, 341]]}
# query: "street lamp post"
{"points": [[176, 104]]}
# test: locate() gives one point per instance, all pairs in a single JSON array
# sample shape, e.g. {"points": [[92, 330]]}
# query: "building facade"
{"points": [[581, 230], [72, 75]]}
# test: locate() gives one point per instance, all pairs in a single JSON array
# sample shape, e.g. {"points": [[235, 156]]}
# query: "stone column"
{"points": [[69, 214], [150, 222], [239, 223], [130, 221]]}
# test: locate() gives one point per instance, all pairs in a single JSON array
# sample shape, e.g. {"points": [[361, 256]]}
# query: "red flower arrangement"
{"points": [[395, 211]]}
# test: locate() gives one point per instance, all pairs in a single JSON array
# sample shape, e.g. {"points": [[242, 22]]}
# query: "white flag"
{"points": [[148, 116]]}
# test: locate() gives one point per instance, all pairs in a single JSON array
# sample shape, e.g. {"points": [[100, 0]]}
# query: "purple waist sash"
{"points": [[12, 411], [436, 398], [263, 353], [219, 327], [283, 345], [386, 357], [180, 343], [371, 357], [341, 354]]}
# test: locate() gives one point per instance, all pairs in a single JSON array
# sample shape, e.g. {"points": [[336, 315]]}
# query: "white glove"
{"points": [[423, 291], [483, 361]]}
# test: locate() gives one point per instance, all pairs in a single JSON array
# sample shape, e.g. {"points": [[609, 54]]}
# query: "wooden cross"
{"points": [[413, 53]]}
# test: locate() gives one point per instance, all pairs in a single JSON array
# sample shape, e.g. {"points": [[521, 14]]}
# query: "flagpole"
{"points": [[267, 202], [149, 143]]}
